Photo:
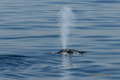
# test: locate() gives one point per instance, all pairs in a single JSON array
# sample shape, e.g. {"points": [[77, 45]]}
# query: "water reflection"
{"points": [[66, 65], [67, 62]]}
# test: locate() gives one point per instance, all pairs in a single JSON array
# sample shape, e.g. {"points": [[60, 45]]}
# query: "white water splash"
{"points": [[66, 21]]}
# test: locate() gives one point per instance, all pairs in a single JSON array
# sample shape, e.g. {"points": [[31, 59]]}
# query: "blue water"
{"points": [[29, 29]]}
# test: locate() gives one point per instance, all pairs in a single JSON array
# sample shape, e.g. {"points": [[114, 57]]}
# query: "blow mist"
{"points": [[66, 17]]}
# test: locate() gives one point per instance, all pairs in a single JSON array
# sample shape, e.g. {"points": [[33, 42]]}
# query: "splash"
{"points": [[66, 21]]}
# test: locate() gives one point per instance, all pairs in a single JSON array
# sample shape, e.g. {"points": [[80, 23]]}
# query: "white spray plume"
{"points": [[66, 21]]}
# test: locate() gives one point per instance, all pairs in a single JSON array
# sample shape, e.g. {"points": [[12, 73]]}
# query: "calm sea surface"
{"points": [[29, 29]]}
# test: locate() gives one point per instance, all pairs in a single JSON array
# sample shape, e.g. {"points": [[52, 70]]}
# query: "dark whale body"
{"points": [[69, 51]]}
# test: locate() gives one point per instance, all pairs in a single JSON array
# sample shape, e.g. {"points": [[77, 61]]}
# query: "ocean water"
{"points": [[29, 29]]}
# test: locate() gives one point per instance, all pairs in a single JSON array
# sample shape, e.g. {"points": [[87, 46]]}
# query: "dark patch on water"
{"points": [[107, 1], [25, 37]]}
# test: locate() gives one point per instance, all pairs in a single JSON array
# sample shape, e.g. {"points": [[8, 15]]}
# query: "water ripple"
{"points": [[29, 29], [25, 37]]}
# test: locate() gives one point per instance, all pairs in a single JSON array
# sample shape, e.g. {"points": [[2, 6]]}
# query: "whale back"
{"points": [[69, 51]]}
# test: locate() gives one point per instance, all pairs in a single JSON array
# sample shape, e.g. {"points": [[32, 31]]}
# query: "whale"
{"points": [[69, 51]]}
